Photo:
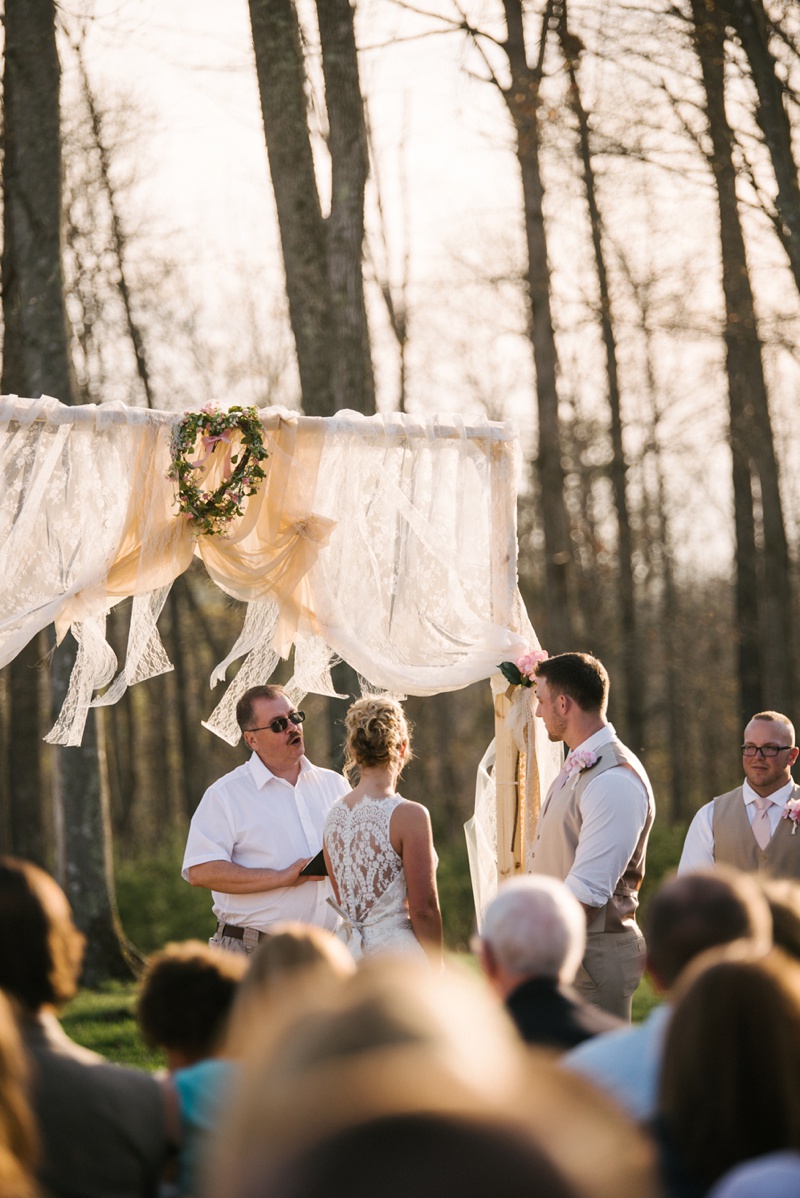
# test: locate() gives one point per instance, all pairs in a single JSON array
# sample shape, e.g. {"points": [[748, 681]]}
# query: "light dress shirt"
{"points": [[254, 818], [698, 848], [614, 808], [625, 1064]]}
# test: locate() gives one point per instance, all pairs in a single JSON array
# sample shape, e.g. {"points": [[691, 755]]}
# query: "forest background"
{"points": [[581, 216]]}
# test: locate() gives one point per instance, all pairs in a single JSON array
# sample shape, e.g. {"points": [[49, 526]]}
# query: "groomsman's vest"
{"points": [[735, 844], [559, 829]]}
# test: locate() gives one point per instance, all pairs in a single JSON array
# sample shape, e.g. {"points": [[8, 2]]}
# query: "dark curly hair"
{"points": [[186, 994]]}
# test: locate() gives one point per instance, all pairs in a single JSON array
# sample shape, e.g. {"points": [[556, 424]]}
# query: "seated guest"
{"points": [[427, 1155], [776, 1174], [783, 896], [730, 1084], [18, 1144], [297, 964], [531, 944], [102, 1127], [184, 1001], [687, 916]]}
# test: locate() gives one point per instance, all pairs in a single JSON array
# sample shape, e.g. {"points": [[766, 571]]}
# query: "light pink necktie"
{"points": [[760, 825]]}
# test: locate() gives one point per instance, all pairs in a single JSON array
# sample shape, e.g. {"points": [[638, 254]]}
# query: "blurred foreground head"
{"points": [[397, 1041], [18, 1146], [295, 967], [41, 950], [185, 996], [783, 896], [730, 1085], [690, 914], [426, 1155]]}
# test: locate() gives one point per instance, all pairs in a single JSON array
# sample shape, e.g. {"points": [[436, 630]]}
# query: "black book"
{"points": [[316, 867]]}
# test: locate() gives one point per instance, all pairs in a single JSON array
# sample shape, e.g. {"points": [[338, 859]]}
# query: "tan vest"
{"points": [[735, 844], [558, 832]]}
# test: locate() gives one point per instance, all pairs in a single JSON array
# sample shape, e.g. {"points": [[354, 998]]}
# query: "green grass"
{"points": [[105, 1021]]}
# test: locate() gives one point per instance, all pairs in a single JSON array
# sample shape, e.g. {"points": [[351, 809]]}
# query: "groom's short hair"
{"points": [[579, 676]]}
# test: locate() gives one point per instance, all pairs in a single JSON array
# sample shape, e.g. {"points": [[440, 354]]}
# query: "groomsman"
{"points": [[593, 828], [752, 827]]}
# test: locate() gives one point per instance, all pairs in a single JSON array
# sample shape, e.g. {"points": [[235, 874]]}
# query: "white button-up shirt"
{"points": [[698, 848], [254, 818]]}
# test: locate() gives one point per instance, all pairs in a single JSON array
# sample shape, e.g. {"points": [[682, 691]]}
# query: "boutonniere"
{"points": [[580, 760], [792, 811], [522, 671]]}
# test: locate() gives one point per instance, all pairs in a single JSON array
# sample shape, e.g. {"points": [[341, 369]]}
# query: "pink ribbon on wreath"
{"points": [[210, 444]]}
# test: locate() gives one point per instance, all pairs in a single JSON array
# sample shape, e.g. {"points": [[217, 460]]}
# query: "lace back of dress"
{"points": [[364, 861]]}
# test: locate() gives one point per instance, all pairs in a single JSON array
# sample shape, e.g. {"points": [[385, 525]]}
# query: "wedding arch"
{"points": [[386, 541]]}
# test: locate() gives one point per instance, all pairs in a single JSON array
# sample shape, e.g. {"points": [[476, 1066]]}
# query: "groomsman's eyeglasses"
{"points": [[282, 722], [765, 750]]}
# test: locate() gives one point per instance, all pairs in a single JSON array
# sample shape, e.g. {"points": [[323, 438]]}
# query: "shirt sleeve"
{"points": [[698, 848], [614, 811], [210, 835]]}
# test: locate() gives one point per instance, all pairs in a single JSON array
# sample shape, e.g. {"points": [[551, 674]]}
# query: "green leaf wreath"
{"points": [[212, 511]]}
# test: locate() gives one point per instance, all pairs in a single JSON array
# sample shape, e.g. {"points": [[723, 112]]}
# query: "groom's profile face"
{"points": [[548, 711]]}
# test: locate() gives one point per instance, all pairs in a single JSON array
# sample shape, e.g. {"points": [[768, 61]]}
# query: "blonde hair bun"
{"points": [[376, 729]]}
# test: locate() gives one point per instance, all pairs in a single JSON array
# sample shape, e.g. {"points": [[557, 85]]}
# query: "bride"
{"points": [[378, 846]]}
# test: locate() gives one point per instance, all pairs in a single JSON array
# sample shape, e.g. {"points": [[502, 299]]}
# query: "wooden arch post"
{"points": [[510, 791], [509, 784]]}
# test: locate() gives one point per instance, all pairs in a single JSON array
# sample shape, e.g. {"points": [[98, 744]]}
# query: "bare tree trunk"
{"points": [[635, 702], [749, 20], [764, 611], [37, 361], [522, 101], [353, 381], [281, 83], [118, 240]]}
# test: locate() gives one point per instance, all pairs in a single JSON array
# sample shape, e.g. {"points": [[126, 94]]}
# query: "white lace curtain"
{"points": [[388, 541]]}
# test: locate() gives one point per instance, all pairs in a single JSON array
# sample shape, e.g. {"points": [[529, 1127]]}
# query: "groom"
{"points": [[593, 827]]}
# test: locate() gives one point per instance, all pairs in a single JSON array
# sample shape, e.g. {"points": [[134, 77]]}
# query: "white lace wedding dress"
{"points": [[370, 878]]}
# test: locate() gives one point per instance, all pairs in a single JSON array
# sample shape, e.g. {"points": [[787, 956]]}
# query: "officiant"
{"points": [[256, 828]]}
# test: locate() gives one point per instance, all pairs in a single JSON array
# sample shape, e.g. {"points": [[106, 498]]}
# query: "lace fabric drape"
{"points": [[388, 542], [385, 541]]}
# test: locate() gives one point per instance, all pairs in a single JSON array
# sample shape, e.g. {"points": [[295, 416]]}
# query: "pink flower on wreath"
{"points": [[579, 760], [792, 811], [529, 661]]}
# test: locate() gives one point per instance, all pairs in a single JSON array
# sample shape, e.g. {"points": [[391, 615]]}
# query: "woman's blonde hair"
{"points": [[18, 1137], [377, 729]]}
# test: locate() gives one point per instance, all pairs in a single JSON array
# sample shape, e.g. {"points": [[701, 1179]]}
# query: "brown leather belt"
{"points": [[230, 929]]}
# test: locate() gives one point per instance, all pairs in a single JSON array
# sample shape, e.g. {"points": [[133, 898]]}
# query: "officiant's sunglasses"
{"points": [[282, 722]]}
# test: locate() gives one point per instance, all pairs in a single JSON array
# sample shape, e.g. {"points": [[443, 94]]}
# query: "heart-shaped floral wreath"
{"points": [[212, 511]]}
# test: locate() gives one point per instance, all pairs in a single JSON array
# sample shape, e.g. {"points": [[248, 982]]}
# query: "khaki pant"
{"points": [[612, 968]]}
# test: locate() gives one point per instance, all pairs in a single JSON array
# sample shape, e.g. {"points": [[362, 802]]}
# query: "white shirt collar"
{"points": [[603, 736], [262, 774], [781, 797]]}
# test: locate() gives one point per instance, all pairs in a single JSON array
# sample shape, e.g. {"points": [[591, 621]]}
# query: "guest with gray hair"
{"points": [[530, 947]]}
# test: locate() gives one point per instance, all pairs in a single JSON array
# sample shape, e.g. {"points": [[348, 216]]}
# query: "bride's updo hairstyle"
{"points": [[376, 730]]}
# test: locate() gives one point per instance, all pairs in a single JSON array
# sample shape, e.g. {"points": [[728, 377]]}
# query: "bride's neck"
{"points": [[377, 780]]}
